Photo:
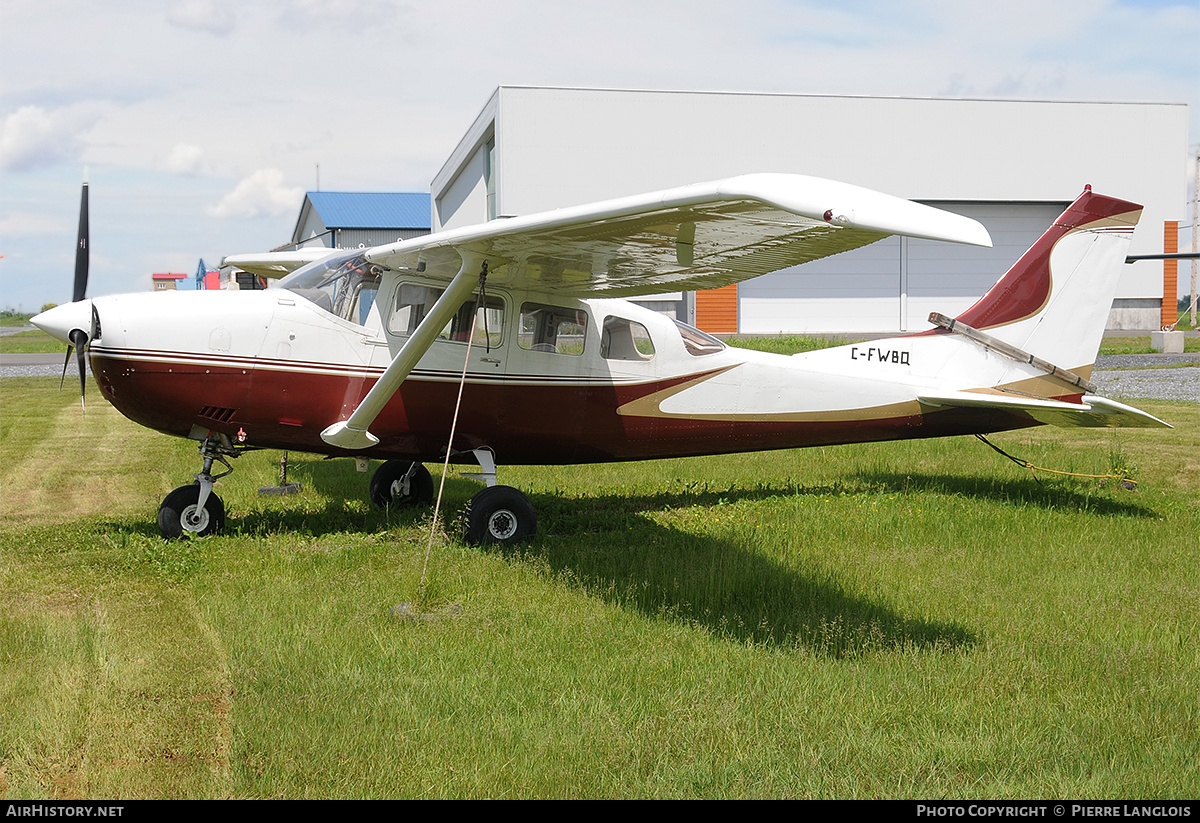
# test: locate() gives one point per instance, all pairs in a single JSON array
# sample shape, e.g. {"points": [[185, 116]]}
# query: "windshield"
{"points": [[342, 284]]}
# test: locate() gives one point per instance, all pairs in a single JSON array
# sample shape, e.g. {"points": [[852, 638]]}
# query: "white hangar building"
{"points": [[1011, 164]]}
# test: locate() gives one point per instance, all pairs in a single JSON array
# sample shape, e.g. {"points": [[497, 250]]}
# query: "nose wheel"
{"points": [[194, 510], [401, 483], [181, 513]]}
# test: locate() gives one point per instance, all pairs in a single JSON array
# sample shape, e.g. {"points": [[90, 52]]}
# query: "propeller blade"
{"points": [[66, 363], [79, 339], [82, 255]]}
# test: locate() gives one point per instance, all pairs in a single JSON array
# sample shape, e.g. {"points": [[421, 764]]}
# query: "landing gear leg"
{"points": [[194, 510]]}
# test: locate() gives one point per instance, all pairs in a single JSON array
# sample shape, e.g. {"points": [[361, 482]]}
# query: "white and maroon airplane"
{"points": [[361, 353]]}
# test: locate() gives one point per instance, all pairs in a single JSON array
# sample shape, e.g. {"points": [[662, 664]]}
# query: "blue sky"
{"points": [[200, 123]]}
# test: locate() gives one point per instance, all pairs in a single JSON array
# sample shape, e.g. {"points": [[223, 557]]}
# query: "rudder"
{"points": [[1054, 301]]}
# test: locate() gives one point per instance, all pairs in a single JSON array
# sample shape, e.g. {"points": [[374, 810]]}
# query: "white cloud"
{"points": [[261, 193], [21, 225], [186, 159], [33, 136], [347, 15], [202, 15]]}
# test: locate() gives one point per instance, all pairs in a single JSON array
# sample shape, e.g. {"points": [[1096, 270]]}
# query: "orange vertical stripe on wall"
{"points": [[717, 310], [1170, 274]]}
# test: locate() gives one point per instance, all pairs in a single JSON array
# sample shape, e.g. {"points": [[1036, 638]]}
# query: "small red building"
{"points": [[166, 281]]}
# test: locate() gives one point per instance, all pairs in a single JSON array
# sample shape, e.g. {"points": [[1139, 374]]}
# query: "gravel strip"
{"points": [[1161, 384], [1145, 361], [43, 371]]}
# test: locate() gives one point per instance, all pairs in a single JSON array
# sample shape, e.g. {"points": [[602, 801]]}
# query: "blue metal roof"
{"points": [[372, 210]]}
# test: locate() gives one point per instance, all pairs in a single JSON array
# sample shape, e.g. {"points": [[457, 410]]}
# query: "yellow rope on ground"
{"points": [[1123, 479]]}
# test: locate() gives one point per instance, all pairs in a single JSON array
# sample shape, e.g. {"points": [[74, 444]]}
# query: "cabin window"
{"points": [[413, 302], [554, 329], [625, 340], [697, 342]]}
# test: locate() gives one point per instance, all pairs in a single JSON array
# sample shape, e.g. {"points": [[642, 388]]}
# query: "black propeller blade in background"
{"points": [[81, 250], [79, 338]]}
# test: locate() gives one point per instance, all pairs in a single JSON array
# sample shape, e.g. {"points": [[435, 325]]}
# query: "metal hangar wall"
{"points": [[1011, 164]]}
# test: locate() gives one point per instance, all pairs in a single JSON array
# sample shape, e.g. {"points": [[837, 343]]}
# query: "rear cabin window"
{"points": [[554, 329], [697, 342], [413, 302], [625, 340]]}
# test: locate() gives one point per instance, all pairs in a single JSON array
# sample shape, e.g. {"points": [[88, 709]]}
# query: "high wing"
{"points": [[695, 237], [1092, 412]]}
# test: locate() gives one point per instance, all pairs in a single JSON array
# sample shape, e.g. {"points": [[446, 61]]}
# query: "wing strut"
{"points": [[352, 433]]}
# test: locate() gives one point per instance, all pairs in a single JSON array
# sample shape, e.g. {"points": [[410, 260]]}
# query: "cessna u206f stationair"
{"points": [[361, 353]]}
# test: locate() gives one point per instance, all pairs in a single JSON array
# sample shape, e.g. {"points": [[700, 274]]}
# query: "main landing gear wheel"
{"points": [[179, 513], [401, 483], [499, 514]]}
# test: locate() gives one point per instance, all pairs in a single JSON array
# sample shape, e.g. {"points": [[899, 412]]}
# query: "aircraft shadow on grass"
{"points": [[611, 547], [614, 549], [1044, 491]]}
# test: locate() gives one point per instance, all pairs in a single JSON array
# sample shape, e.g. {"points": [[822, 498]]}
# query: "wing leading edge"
{"points": [[694, 237]]}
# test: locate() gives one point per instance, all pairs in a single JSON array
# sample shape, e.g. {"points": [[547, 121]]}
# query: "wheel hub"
{"points": [[194, 518], [502, 524]]}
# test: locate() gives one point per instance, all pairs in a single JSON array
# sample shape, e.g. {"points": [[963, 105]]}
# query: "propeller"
{"points": [[78, 337]]}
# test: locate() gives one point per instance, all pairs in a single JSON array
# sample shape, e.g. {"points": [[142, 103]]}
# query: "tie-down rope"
{"points": [[462, 381]]}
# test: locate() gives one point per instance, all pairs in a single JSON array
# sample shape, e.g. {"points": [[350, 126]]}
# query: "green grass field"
{"points": [[906, 620]]}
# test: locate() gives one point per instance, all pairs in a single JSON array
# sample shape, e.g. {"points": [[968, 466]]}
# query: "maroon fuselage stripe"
{"points": [[522, 423]]}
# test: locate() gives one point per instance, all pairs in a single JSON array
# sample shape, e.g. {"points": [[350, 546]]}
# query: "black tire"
{"points": [[388, 486], [499, 514], [181, 504]]}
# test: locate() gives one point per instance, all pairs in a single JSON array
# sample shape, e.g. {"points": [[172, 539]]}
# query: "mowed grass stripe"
{"points": [[67, 462]]}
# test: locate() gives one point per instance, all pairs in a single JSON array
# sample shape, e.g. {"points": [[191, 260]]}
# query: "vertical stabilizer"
{"points": [[1054, 301]]}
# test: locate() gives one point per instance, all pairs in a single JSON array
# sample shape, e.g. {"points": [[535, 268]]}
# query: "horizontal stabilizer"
{"points": [[1095, 412]]}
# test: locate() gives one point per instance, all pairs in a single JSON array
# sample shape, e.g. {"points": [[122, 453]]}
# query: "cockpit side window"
{"points": [[414, 301], [360, 307]]}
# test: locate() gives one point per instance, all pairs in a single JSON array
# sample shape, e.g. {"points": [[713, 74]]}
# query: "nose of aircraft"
{"points": [[60, 321]]}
